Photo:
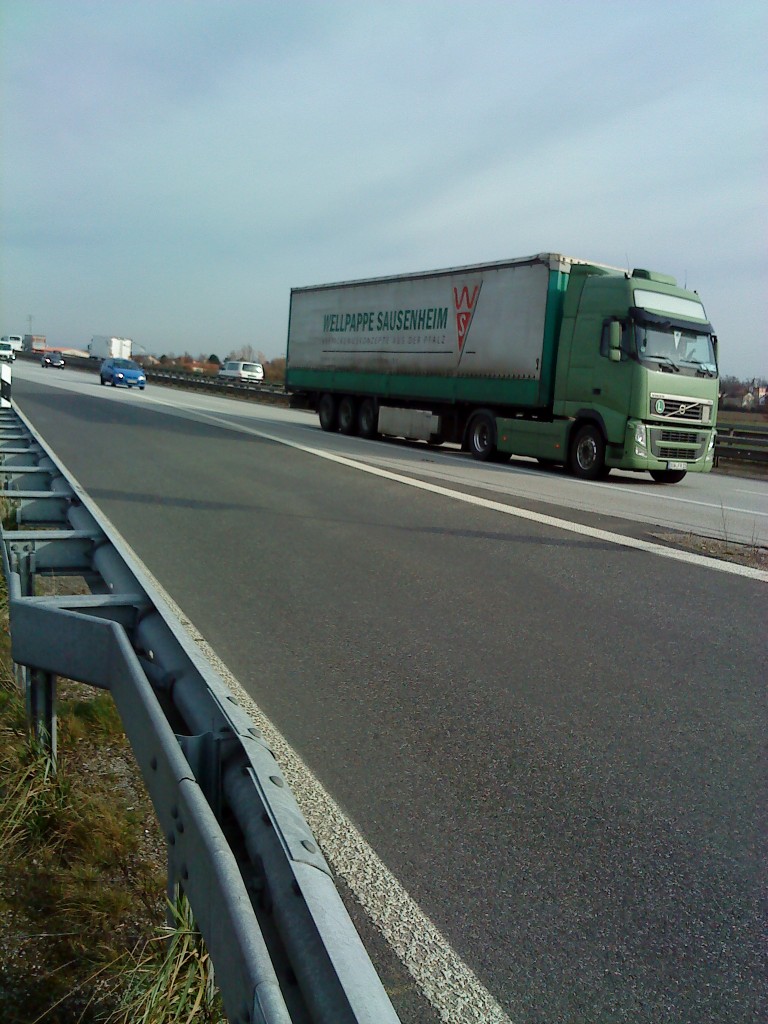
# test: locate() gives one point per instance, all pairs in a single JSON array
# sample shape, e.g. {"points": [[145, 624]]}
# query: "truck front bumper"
{"points": [[664, 446]]}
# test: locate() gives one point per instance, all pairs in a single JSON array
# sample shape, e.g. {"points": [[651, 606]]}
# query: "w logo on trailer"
{"points": [[465, 305]]}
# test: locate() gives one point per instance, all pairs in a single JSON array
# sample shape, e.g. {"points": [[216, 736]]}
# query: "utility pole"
{"points": [[29, 321]]}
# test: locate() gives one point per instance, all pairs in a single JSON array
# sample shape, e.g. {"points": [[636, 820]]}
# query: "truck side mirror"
{"points": [[614, 341]]}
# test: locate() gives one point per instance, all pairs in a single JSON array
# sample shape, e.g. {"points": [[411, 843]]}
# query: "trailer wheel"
{"points": [[668, 476], [482, 437], [328, 412], [348, 415], [587, 457], [368, 419]]}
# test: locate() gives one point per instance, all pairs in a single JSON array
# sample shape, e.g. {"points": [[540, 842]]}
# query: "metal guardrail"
{"points": [[194, 381], [281, 941], [737, 443], [208, 383]]}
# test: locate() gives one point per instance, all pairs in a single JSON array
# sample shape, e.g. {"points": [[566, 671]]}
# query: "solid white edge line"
{"points": [[439, 973], [689, 557], [442, 977]]}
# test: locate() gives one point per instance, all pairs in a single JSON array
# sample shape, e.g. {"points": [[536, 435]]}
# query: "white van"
{"points": [[245, 372], [7, 354], [14, 340]]}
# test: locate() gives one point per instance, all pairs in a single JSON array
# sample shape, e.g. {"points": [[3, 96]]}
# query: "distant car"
{"points": [[7, 353], [122, 371], [240, 371], [53, 359]]}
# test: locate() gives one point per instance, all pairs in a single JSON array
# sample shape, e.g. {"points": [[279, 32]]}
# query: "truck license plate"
{"points": [[676, 465]]}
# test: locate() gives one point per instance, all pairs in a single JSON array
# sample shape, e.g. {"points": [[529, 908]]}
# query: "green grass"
{"points": [[172, 979]]}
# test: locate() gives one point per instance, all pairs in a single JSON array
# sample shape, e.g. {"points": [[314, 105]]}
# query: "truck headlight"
{"points": [[641, 440]]}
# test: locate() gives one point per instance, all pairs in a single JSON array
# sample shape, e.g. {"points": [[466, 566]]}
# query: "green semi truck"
{"points": [[551, 357]]}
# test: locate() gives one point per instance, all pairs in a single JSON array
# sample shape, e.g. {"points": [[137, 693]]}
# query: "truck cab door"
{"points": [[612, 378]]}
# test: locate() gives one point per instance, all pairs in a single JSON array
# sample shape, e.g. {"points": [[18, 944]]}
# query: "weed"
{"points": [[82, 873], [172, 979], [82, 876], [33, 796], [8, 513]]}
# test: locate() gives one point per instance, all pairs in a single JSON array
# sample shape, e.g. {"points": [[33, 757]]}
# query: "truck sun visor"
{"points": [[645, 316]]}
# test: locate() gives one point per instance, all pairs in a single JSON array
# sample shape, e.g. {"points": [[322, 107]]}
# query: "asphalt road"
{"points": [[554, 742]]}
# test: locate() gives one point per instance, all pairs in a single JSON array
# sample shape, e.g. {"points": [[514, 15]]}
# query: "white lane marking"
{"points": [[675, 554], [441, 975], [168, 403], [679, 499]]}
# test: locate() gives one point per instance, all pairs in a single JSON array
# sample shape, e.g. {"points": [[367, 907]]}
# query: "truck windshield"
{"points": [[676, 351]]}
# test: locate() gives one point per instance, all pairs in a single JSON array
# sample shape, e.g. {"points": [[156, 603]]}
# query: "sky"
{"points": [[170, 169]]}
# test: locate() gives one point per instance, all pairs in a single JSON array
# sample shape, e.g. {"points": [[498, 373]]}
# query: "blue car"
{"points": [[122, 371]]}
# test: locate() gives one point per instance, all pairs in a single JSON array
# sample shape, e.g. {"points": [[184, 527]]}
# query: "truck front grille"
{"points": [[679, 436], [677, 445]]}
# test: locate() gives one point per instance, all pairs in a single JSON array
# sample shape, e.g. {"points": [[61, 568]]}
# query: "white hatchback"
{"points": [[234, 371]]}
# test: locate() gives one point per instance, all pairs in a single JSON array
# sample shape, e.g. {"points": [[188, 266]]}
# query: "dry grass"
{"points": [[83, 876], [172, 979]]}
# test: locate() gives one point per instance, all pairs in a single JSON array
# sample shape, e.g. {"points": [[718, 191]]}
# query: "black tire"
{"points": [[368, 419], [482, 437], [328, 413], [103, 382], [587, 456], [668, 476], [348, 415]]}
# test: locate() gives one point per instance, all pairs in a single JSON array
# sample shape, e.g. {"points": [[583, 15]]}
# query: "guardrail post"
{"points": [[206, 753], [5, 386], [41, 712], [39, 687]]}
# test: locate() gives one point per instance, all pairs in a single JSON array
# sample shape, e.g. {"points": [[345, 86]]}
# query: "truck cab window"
{"points": [[687, 350]]}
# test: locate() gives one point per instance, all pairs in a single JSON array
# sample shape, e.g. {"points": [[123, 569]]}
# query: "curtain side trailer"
{"points": [[550, 357]]}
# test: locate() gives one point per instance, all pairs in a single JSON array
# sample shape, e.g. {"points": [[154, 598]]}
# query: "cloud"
{"points": [[185, 164]]}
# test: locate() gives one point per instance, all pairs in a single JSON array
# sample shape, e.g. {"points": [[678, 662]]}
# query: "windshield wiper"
{"points": [[666, 361], [702, 368]]}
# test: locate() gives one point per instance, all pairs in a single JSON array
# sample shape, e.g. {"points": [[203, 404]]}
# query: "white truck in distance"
{"points": [[103, 347], [14, 340]]}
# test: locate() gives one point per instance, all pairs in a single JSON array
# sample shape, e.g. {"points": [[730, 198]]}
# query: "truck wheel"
{"points": [[328, 413], [368, 419], [348, 415], [668, 476], [482, 437], [587, 459]]}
